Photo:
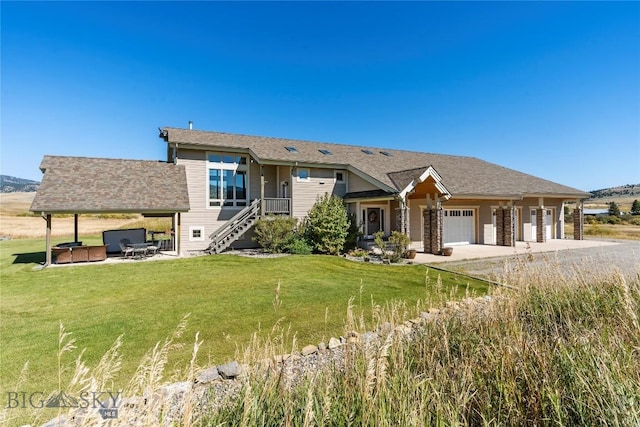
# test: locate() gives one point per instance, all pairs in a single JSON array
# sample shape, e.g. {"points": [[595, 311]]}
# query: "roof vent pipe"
{"points": [[190, 125]]}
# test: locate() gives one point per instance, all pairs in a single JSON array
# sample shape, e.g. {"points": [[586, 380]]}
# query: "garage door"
{"points": [[459, 226]]}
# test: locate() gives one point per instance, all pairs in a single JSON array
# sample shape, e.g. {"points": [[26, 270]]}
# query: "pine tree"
{"points": [[614, 210], [635, 207]]}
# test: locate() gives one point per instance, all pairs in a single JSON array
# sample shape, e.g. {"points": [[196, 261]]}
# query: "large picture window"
{"points": [[227, 180]]}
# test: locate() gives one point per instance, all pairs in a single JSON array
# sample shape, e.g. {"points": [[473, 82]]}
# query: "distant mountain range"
{"points": [[629, 190], [11, 184]]}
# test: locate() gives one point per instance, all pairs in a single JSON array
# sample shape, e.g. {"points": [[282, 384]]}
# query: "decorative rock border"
{"points": [[216, 386]]}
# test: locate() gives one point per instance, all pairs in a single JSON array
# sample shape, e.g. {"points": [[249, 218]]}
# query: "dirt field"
{"points": [[12, 205]]}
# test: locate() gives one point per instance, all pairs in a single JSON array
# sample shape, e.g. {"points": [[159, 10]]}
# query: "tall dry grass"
{"points": [[562, 348]]}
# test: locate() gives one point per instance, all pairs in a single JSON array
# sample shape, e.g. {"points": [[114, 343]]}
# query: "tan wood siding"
{"points": [[254, 180], [358, 184], [306, 193], [271, 181]]}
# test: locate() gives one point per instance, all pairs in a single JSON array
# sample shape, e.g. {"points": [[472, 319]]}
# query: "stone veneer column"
{"points": [[578, 224], [509, 227], [406, 220], [499, 226], [541, 235], [402, 218], [433, 230], [426, 217]]}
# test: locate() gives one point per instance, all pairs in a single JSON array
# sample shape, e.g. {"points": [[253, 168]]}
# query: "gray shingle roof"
{"points": [[95, 185], [402, 179], [462, 176]]}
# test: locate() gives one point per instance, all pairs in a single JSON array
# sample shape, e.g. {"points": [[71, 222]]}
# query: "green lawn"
{"points": [[228, 297]]}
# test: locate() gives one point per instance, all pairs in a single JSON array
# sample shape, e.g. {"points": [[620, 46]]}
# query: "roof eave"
{"points": [[520, 196], [429, 172], [67, 211]]}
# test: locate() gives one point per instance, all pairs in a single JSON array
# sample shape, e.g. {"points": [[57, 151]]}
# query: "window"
{"points": [[369, 152], [303, 174], [227, 180], [339, 176], [326, 152], [196, 234], [386, 153], [291, 149]]}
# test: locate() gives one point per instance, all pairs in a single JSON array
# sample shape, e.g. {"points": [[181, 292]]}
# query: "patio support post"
{"points": [[75, 227], [176, 233], [48, 241]]}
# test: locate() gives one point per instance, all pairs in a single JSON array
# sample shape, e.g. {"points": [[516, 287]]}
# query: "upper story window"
{"points": [[326, 152], [291, 149], [339, 176], [303, 174], [386, 153], [227, 180], [366, 151]]}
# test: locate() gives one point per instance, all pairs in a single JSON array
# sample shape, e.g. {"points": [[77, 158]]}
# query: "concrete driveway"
{"points": [[488, 260]]}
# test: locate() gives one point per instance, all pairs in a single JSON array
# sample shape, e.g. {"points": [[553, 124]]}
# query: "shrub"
{"points": [[353, 233], [399, 243], [613, 220], [378, 239], [326, 225], [275, 233], [298, 246]]}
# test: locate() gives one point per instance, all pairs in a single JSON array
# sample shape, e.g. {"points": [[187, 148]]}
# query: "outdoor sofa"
{"points": [[77, 252]]}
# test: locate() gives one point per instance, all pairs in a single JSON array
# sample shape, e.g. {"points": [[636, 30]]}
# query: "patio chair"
{"points": [[152, 249], [125, 249]]}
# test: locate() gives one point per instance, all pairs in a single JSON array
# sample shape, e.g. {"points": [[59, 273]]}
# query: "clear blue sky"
{"points": [[550, 88]]}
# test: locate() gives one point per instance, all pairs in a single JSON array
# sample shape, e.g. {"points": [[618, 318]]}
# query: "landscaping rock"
{"points": [[334, 343], [175, 389], [369, 337], [386, 327], [208, 375], [310, 349], [229, 370]]}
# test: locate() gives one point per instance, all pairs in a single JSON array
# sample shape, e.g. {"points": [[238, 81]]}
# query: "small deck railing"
{"points": [[277, 206]]}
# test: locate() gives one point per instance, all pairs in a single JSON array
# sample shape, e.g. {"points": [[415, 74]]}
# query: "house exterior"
{"points": [[435, 199]]}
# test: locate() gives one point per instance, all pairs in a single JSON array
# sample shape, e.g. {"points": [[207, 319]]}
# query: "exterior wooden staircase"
{"points": [[235, 228]]}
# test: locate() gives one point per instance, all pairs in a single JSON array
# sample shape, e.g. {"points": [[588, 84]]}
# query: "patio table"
{"points": [[139, 249]]}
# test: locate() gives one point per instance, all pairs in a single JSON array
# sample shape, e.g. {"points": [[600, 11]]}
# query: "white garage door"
{"points": [[459, 226]]}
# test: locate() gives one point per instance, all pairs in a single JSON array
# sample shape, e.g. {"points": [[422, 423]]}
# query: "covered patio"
{"points": [[82, 185]]}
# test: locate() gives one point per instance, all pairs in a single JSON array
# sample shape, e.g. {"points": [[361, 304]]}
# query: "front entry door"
{"points": [[373, 220]]}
